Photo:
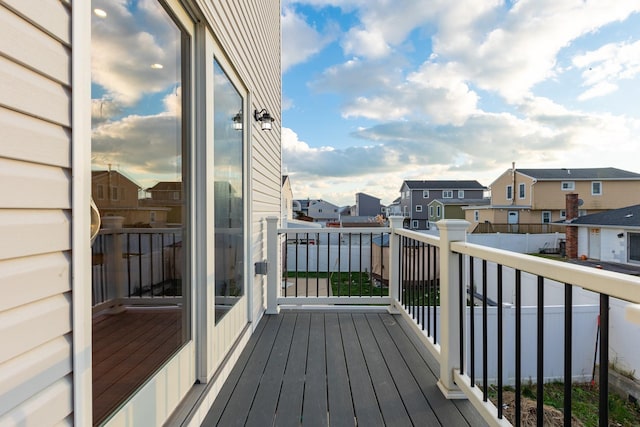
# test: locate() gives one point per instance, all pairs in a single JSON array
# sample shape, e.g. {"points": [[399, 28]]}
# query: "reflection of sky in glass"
{"points": [[136, 91], [228, 191]]}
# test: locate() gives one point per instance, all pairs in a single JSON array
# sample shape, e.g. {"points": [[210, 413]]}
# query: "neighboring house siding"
{"points": [[35, 201], [255, 27]]}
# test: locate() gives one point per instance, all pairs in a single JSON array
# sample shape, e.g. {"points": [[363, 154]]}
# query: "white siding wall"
{"points": [[249, 32], [35, 211]]}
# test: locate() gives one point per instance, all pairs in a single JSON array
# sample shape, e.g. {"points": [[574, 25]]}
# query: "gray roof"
{"points": [[445, 185], [462, 202], [578, 174], [623, 217]]}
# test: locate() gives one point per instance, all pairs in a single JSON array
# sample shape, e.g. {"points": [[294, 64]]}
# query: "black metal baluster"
{"points": [[429, 286], [540, 354], [152, 283], [140, 262], [485, 362], [518, 345], [568, 340], [500, 342], [306, 282], [603, 416], [462, 310], [472, 324], [436, 296], [339, 262]]}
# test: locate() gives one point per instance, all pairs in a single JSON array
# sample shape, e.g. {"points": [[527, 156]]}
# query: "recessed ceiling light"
{"points": [[157, 66], [100, 13]]}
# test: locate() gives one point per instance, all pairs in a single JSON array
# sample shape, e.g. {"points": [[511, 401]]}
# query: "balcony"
{"points": [[387, 326], [434, 319]]}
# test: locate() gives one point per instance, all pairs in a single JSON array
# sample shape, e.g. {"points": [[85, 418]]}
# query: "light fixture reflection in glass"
{"points": [[237, 121], [100, 13], [157, 66]]}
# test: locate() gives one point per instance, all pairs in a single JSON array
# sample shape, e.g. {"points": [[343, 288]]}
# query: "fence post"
{"points": [[273, 277], [451, 230], [393, 263]]}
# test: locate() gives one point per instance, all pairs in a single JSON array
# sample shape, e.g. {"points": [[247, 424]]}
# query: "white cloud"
{"points": [[604, 67], [300, 41], [368, 43], [122, 51]]}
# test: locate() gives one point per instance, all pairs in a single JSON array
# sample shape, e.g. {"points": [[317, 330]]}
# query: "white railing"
{"points": [[462, 273]]}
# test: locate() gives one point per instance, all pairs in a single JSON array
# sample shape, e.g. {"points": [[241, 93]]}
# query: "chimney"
{"points": [[571, 232]]}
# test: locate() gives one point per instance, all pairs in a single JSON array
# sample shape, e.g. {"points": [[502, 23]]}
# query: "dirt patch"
{"points": [[552, 416]]}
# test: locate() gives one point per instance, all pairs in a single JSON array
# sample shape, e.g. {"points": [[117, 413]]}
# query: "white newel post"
{"points": [[273, 279], [451, 230], [395, 222], [117, 288]]}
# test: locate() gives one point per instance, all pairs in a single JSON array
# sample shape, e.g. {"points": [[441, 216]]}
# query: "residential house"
{"points": [[169, 195], [451, 208], [394, 208], [610, 236], [415, 197], [286, 204], [318, 210], [177, 91], [367, 205], [537, 196]]}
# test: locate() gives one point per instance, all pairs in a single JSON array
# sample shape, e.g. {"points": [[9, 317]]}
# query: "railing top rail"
{"points": [[140, 230], [421, 237], [618, 285], [331, 230]]}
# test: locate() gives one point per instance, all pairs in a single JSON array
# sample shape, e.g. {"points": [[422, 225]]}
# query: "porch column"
{"points": [[117, 288], [393, 263], [451, 230], [273, 277]]}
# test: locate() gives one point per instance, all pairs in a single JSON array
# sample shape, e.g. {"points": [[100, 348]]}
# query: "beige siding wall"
{"points": [[249, 33], [35, 201], [615, 194], [499, 190]]}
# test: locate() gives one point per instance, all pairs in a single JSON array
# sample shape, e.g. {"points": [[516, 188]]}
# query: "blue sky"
{"points": [[379, 91]]}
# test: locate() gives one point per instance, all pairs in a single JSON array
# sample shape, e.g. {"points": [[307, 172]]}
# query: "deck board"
{"points": [[338, 369], [127, 348]]}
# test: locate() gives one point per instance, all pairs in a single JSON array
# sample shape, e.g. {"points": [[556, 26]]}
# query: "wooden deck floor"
{"points": [[337, 369], [127, 348]]}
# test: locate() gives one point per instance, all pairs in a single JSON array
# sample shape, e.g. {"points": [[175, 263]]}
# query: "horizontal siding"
{"points": [[29, 92], [43, 409], [33, 278], [30, 185], [34, 48], [51, 16], [36, 381], [38, 368], [249, 32], [33, 232], [28, 326], [39, 141]]}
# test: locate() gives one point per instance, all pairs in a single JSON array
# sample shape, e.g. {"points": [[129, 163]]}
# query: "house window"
{"points": [[152, 216], [460, 194], [476, 216], [563, 214], [509, 192], [319, 210], [582, 212], [546, 217], [521, 191], [406, 209], [447, 194], [418, 208], [430, 210], [100, 192], [114, 193], [414, 223], [176, 195], [634, 246], [596, 188], [438, 211], [568, 185], [425, 194]]}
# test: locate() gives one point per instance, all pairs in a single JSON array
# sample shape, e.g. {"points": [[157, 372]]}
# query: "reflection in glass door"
{"points": [[229, 198], [140, 293]]}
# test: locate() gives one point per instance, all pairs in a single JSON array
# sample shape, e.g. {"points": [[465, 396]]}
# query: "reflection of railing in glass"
{"points": [[137, 264]]}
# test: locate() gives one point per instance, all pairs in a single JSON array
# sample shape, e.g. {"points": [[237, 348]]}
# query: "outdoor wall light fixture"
{"points": [[264, 117], [237, 121]]}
